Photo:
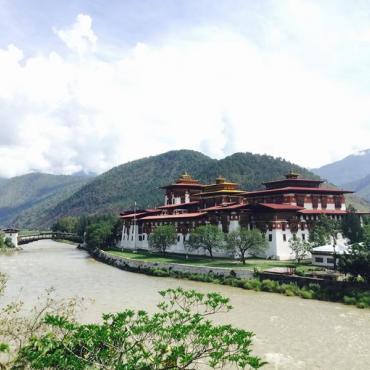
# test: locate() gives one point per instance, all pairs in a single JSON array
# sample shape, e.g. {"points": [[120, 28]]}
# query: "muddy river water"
{"points": [[291, 333]]}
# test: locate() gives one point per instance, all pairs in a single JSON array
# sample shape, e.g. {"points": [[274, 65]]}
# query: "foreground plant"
{"points": [[18, 325], [178, 336]]}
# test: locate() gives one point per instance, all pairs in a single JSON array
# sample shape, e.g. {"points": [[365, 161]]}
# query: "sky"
{"points": [[86, 85]]}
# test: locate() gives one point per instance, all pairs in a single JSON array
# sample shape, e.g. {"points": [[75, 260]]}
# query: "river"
{"points": [[291, 333]]}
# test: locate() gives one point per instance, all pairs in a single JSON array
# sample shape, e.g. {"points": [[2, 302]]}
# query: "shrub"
{"points": [[364, 298], [253, 284], [349, 300], [314, 286], [288, 292], [160, 272], [269, 285], [361, 305], [307, 294]]}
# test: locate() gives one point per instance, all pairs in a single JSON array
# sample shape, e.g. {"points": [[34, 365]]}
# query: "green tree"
{"points": [[5, 242], [351, 226], [163, 237], [244, 241], [208, 237], [99, 235], [178, 336], [326, 231], [300, 248], [356, 262], [66, 224], [9, 243]]}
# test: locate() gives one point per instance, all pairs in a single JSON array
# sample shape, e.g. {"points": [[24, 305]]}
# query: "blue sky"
{"points": [[87, 85]]}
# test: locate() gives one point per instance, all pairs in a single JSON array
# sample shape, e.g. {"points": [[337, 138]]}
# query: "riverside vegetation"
{"points": [[178, 336]]}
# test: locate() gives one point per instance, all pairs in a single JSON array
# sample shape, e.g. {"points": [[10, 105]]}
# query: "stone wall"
{"points": [[130, 264]]}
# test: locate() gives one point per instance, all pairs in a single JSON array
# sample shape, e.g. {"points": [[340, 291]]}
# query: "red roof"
{"points": [[138, 214], [323, 211], [179, 205], [281, 207], [184, 185], [292, 189], [313, 181], [225, 206], [132, 215], [178, 216]]}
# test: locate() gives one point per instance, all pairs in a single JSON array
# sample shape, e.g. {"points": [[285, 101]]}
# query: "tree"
{"points": [[207, 237], [178, 336], [18, 323], [351, 226], [5, 242], [356, 261], [163, 237], [244, 241], [9, 243], [99, 235], [326, 231], [300, 248], [67, 224]]}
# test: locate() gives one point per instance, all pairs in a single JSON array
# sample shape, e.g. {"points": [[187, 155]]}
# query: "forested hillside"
{"points": [[24, 200], [140, 180]]}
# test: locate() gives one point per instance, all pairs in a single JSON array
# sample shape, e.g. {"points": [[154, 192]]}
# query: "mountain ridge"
{"points": [[347, 170], [140, 180], [40, 199], [32, 194]]}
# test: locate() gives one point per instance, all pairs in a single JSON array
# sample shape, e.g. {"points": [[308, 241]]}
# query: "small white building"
{"points": [[324, 255], [13, 235]]}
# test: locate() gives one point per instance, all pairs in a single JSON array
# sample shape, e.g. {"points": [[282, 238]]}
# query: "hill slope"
{"points": [[349, 169], [140, 180], [24, 200], [361, 187]]}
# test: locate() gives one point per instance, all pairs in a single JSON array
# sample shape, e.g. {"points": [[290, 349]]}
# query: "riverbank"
{"points": [[358, 295]]}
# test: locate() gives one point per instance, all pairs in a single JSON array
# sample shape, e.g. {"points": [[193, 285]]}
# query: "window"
{"points": [[270, 227], [337, 202], [324, 202], [303, 236], [284, 237], [319, 259], [300, 201], [270, 237], [302, 226], [330, 260], [283, 226], [140, 238], [178, 238]]}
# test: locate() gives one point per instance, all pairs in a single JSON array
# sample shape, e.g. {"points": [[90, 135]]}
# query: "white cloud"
{"points": [[211, 90], [80, 37]]}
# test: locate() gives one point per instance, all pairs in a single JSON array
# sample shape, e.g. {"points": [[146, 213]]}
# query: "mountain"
{"points": [[25, 200], [37, 200], [361, 187], [140, 180], [348, 170]]}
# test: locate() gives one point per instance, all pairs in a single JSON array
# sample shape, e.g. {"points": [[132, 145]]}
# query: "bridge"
{"points": [[24, 239]]}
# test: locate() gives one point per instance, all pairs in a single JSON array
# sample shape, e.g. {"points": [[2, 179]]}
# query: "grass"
{"points": [[250, 264]]}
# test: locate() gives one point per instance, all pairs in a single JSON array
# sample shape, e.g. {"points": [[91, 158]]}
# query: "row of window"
{"points": [[303, 236], [321, 260]]}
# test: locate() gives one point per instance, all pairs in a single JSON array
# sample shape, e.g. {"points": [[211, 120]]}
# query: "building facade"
{"points": [[284, 208]]}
